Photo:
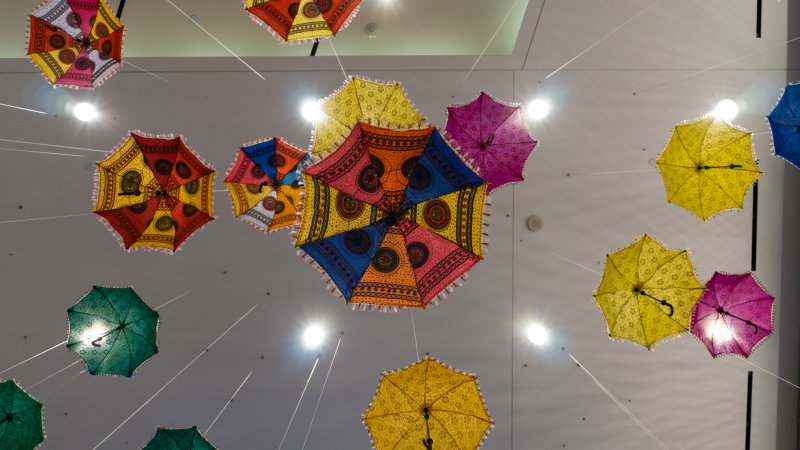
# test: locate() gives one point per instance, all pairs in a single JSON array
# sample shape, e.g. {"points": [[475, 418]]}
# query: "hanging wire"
{"points": [[63, 384], [576, 263], [319, 399], [513, 267], [34, 357], [54, 145], [24, 109], [41, 153], [414, 330], [165, 304], [337, 58], [205, 350], [770, 373], [298, 403], [51, 375], [128, 63], [44, 218], [230, 400]]}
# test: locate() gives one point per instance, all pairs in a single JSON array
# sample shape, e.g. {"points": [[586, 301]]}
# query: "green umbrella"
{"points": [[178, 439], [20, 419], [113, 330]]}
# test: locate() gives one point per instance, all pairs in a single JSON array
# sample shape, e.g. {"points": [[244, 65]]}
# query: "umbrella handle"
{"points": [[663, 302], [671, 309], [743, 320]]}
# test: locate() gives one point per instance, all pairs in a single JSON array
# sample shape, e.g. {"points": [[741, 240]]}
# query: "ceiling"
{"points": [[613, 109]]}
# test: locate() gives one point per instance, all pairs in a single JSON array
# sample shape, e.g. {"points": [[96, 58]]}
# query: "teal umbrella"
{"points": [[178, 439], [20, 419], [113, 330]]}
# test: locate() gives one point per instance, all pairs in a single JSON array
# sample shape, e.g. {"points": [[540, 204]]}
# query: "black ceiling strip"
{"points": [[314, 48], [753, 238], [122, 5], [758, 18]]}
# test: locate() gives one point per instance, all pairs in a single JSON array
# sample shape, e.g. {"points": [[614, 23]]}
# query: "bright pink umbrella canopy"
{"points": [[733, 315], [494, 135]]}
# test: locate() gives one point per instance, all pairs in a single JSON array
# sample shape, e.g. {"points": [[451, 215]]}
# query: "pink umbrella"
{"points": [[734, 314], [494, 135]]}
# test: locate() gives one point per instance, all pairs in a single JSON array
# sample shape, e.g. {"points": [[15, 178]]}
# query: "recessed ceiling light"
{"points": [[537, 334], [538, 109], [311, 110], [85, 112], [313, 336], [726, 110]]}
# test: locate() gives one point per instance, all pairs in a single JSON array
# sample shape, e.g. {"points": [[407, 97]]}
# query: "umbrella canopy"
{"points": [[299, 20], [647, 292], [265, 184], [20, 418], [784, 121], [708, 166], [382, 103], [392, 217], [427, 405], [494, 136], [178, 439], [75, 43], [734, 315], [154, 192], [113, 330]]}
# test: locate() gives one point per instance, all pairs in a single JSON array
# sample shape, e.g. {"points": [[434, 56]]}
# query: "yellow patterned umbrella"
{"points": [[708, 166], [428, 405], [648, 292], [382, 103]]}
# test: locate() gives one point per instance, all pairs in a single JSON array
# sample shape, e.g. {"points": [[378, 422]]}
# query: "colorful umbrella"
{"points": [[708, 166], [392, 217], [154, 192], [20, 418], [734, 315], [75, 43], [427, 404], [265, 184], [382, 103], [494, 136], [178, 439], [784, 121], [113, 330], [647, 292], [293, 20]]}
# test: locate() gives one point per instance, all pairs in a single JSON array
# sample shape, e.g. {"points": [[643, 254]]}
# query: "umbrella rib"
{"points": [[723, 190], [685, 149], [785, 141], [662, 265], [110, 347], [116, 314], [619, 312], [401, 390], [733, 335], [445, 429], [461, 413], [405, 433], [679, 188], [450, 390], [728, 145]]}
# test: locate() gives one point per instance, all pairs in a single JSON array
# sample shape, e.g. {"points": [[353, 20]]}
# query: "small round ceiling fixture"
{"points": [[726, 110], [313, 336], [534, 223], [538, 109], [311, 110], [371, 30], [537, 334], [85, 112]]}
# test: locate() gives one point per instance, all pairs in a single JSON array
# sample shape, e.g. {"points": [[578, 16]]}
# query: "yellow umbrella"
{"points": [[648, 292], [382, 103], [427, 405], [708, 166]]}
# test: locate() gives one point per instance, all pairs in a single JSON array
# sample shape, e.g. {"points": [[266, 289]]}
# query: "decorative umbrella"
{"points": [[382, 103], [708, 166], [427, 405], [734, 315], [265, 184], [494, 136], [178, 439], [784, 121], [20, 418], [392, 217], [113, 330], [303, 20], [75, 43], [647, 292], [154, 191]]}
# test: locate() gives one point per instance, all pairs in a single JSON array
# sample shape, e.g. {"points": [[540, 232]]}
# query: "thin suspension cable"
{"points": [[230, 400], [42, 153], [603, 38], [205, 350], [627, 411], [319, 399], [24, 109], [298, 403], [414, 330], [220, 190], [64, 383], [615, 172], [51, 376], [44, 218], [770, 373], [127, 62], [54, 145], [34, 357], [513, 267], [165, 304], [488, 43], [337, 57], [576, 263], [218, 41]]}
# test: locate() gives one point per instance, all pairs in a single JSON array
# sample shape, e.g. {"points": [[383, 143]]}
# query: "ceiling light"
{"points": [[537, 334], [726, 110], [311, 110], [538, 109], [84, 112], [313, 336]]}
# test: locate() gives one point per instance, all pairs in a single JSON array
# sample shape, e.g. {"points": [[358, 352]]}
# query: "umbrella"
{"points": [[154, 192], [382, 103], [20, 418], [113, 330], [265, 184], [734, 314], [647, 292], [493, 134], [392, 217], [427, 405], [178, 439], [75, 44], [784, 121], [293, 20], [708, 166]]}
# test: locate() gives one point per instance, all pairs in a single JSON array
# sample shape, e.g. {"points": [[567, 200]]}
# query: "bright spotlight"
{"points": [[537, 334], [726, 110], [311, 110], [538, 109], [313, 336], [84, 112]]}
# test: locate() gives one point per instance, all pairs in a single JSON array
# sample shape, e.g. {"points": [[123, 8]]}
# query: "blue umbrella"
{"points": [[784, 120]]}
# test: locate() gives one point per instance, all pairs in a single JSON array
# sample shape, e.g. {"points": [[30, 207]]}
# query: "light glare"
{"points": [[726, 110], [84, 112], [311, 110], [537, 334], [538, 109], [313, 336], [720, 331]]}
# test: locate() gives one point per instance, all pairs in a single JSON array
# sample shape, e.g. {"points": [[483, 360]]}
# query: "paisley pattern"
{"points": [[293, 20]]}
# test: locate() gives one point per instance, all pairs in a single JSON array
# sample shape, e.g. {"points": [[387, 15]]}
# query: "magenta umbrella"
{"points": [[494, 136], [734, 314]]}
